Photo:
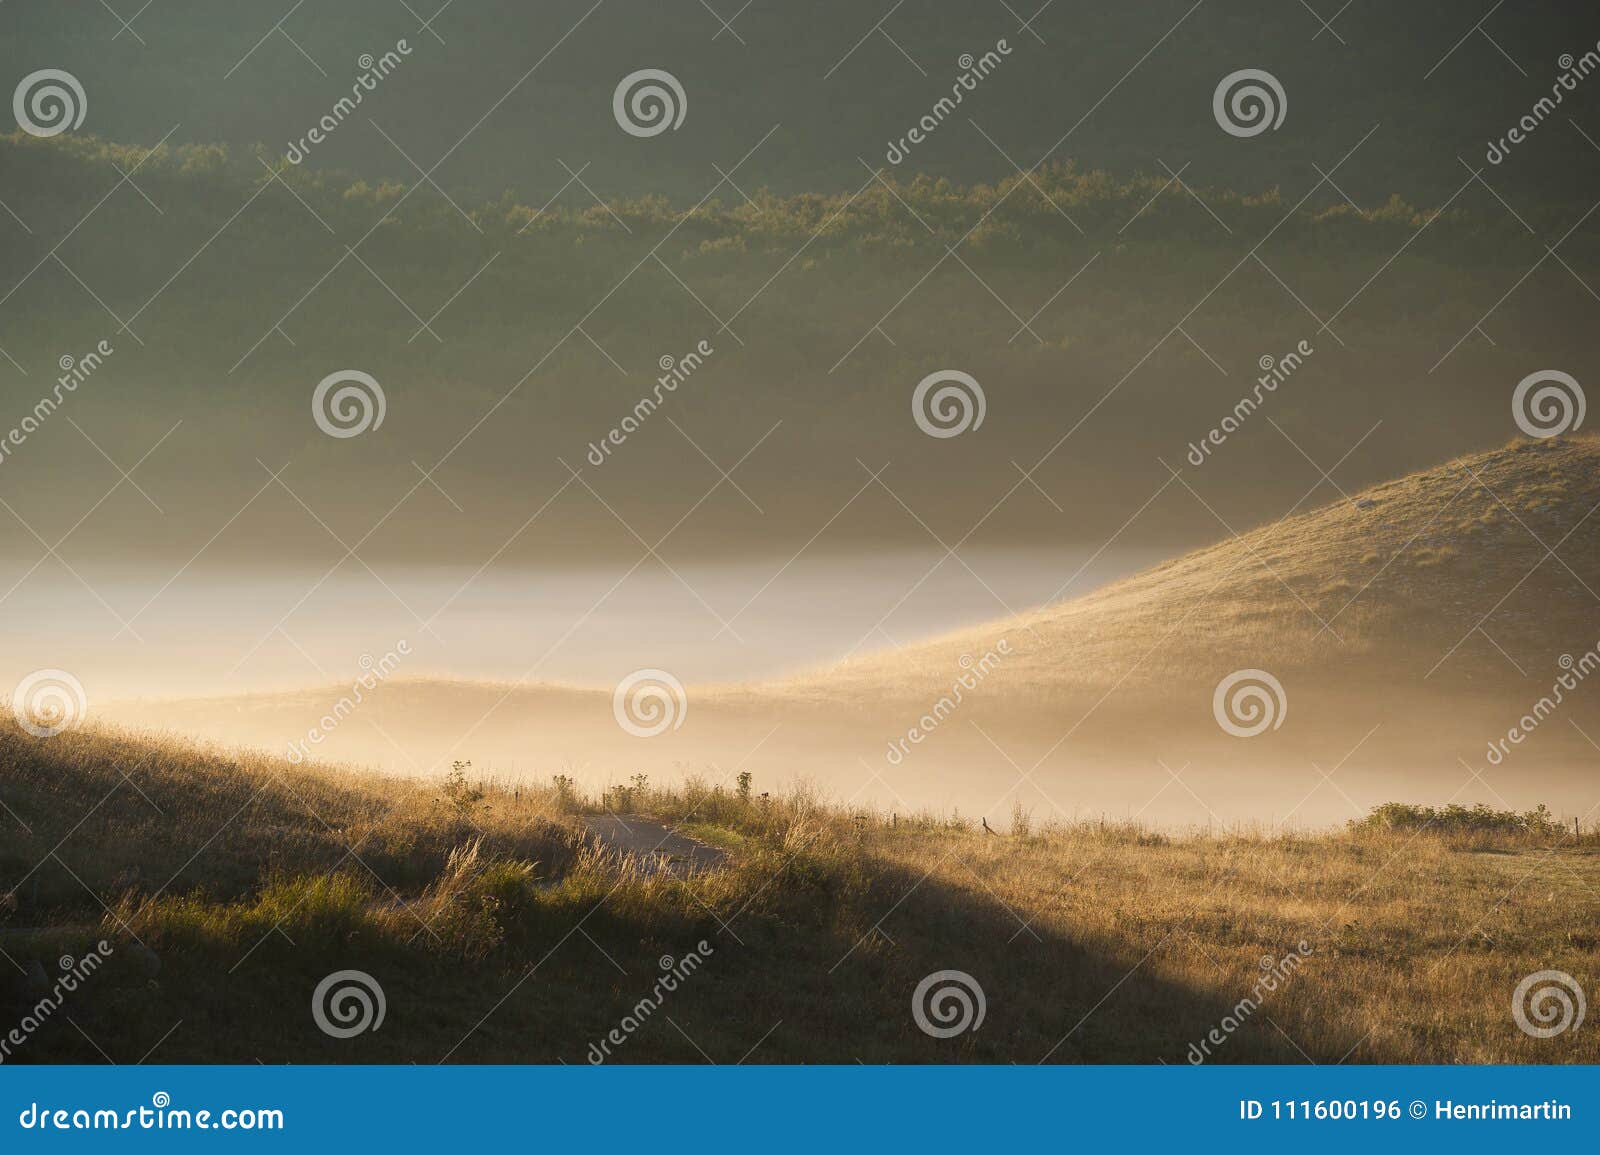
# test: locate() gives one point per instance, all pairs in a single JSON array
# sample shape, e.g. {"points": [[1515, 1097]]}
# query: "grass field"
{"points": [[229, 888]]}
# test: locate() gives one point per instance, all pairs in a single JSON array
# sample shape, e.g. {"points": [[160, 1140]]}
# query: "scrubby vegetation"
{"points": [[881, 219], [230, 887], [1538, 824]]}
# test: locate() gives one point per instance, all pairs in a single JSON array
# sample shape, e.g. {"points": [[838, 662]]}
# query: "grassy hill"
{"points": [[228, 888], [1442, 575], [1410, 626]]}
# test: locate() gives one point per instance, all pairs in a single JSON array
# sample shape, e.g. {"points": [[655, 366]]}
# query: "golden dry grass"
{"points": [[1415, 944], [106, 811], [499, 936], [501, 933]]}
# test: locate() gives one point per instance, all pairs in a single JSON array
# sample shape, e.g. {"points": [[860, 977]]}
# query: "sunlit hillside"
{"points": [[1477, 572], [1407, 627]]}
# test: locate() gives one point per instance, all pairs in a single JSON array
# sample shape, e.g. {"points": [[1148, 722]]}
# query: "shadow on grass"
{"points": [[226, 888], [809, 957]]}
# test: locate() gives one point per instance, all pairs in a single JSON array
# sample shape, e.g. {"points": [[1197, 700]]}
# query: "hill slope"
{"points": [[1402, 631], [1446, 576]]}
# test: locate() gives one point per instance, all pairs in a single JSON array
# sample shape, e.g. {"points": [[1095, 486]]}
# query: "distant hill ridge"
{"points": [[1421, 578]]}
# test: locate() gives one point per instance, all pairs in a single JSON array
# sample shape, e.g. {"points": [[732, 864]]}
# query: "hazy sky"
{"points": [[493, 362]]}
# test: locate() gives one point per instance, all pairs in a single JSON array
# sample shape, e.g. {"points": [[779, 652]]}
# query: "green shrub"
{"points": [[311, 911], [323, 910], [464, 796]]}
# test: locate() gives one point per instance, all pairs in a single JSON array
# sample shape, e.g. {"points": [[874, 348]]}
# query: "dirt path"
{"points": [[657, 846]]}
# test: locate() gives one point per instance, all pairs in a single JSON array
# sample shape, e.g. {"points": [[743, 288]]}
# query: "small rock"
{"points": [[1365, 503]]}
